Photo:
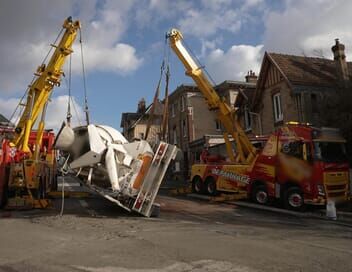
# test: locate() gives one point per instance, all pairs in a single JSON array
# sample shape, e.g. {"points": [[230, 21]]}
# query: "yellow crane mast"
{"points": [[40, 90], [245, 151], [30, 172]]}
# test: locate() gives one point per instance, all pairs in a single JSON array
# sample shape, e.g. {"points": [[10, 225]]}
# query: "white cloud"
{"points": [[207, 21], [308, 27], [216, 5], [8, 106], [235, 63], [121, 58], [30, 30], [56, 111], [248, 4]]}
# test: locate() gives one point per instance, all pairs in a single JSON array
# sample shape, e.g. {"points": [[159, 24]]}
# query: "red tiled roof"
{"points": [[302, 70]]}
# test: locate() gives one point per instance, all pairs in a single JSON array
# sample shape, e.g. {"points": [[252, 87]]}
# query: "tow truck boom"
{"points": [[245, 151]]}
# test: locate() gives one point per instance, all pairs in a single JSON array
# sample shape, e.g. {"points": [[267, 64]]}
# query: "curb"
{"points": [[344, 218], [341, 219]]}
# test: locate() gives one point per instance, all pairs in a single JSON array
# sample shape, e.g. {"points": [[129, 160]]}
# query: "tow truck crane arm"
{"points": [[40, 90], [245, 151]]}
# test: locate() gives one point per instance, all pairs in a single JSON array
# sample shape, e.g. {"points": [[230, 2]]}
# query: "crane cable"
{"points": [[163, 124], [86, 109], [155, 101], [20, 103], [69, 115], [201, 67]]}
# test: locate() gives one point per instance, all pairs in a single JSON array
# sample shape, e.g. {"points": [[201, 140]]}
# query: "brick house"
{"points": [[190, 120], [290, 87], [3, 121], [134, 124]]}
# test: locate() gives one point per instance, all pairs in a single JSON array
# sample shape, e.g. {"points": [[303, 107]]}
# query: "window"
{"points": [[298, 99], [190, 111], [182, 103], [184, 128], [330, 151], [141, 135], [174, 135], [172, 110], [247, 119], [278, 116], [217, 125], [314, 99], [294, 149]]}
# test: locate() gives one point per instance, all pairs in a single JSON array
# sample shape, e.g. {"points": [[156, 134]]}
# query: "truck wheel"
{"points": [[53, 186], [293, 199], [210, 185], [260, 195], [197, 185], [155, 210], [41, 190]]}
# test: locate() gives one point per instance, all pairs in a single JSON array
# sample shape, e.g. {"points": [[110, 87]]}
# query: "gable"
{"points": [[270, 74], [273, 76]]}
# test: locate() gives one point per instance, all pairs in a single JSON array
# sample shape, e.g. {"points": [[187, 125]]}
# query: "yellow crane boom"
{"points": [[245, 151], [40, 90]]}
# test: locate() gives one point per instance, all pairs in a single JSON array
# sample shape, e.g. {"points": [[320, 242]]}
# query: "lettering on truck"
{"points": [[232, 176]]}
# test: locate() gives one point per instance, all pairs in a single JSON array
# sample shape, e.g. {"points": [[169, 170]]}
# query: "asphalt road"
{"points": [[189, 235]]}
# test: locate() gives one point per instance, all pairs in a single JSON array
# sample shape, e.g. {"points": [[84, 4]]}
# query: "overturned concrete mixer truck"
{"points": [[128, 174]]}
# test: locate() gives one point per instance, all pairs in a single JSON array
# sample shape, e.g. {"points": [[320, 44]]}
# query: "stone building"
{"points": [[134, 124], [3, 121], [290, 87], [190, 119]]}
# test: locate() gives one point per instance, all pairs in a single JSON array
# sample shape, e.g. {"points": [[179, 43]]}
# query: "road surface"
{"points": [[189, 235]]}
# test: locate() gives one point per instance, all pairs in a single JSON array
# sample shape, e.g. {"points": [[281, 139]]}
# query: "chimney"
{"points": [[251, 77], [141, 106], [340, 61]]}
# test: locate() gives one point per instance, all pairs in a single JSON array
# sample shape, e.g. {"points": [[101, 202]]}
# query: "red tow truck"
{"points": [[10, 156], [299, 164]]}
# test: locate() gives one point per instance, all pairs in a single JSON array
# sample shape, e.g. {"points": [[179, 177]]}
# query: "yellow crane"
{"points": [[32, 165], [48, 76], [245, 151]]}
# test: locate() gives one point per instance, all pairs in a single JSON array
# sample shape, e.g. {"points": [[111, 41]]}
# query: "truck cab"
{"points": [[301, 164]]}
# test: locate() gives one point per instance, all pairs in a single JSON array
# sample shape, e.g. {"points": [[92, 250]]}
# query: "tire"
{"points": [[210, 186], [293, 199], [197, 185], [155, 211], [53, 186], [260, 195], [38, 191]]}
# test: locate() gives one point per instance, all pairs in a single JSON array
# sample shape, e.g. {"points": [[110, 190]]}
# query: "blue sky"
{"points": [[124, 39]]}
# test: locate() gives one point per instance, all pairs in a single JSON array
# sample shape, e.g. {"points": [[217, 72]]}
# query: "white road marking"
{"points": [[73, 184]]}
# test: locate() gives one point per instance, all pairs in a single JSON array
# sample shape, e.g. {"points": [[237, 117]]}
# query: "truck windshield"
{"points": [[330, 151]]}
